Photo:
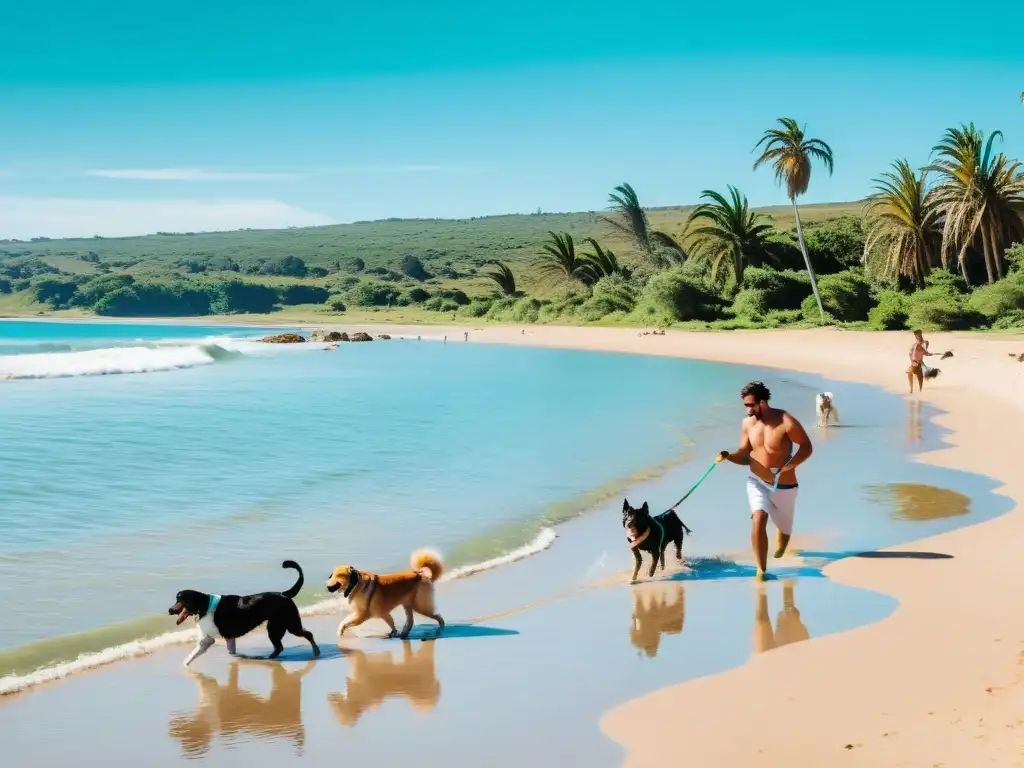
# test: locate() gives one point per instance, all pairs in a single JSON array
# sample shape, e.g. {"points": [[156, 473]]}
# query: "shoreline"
{"points": [[953, 642]]}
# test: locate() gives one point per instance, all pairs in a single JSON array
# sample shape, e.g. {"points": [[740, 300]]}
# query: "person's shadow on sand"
{"points": [[375, 677], [659, 608], [230, 710], [789, 627]]}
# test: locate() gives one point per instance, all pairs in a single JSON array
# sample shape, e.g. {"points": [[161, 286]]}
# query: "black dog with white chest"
{"points": [[231, 616], [652, 534]]}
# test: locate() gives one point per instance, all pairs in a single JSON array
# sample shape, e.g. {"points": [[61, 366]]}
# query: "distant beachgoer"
{"points": [[917, 354], [766, 446], [445, 339], [466, 335]]}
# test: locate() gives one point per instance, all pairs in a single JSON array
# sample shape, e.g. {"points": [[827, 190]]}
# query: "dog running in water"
{"points": [[647, 533], [826, 409], [376, 596]]}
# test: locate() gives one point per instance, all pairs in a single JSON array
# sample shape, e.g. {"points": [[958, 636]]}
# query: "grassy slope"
{"points": [[464, 244]]}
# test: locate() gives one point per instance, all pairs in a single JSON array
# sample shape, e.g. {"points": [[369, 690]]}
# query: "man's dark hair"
{"points": [[760, 392]]}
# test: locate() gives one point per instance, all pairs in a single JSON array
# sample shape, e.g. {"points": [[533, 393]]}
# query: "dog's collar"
{"points": [[214, 602], [352, 583]]}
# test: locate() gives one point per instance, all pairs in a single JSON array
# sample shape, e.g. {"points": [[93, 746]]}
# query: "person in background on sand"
{"points": [[766, 446], [466, 334], [918, 352]]}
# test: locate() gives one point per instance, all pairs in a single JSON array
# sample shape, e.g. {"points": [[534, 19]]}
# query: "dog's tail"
{"points": [[427, 559], [294, 590], [686, 528]]}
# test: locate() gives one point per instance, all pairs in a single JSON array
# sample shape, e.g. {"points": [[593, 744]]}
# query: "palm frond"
{"points": [[502, 275]]}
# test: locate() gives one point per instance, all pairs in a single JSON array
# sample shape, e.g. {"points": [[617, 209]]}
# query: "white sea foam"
{"points": [[113, 360], [136, 648]]}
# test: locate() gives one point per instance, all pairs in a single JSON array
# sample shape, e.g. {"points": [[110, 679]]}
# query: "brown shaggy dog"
{"points": [[376, 596]]}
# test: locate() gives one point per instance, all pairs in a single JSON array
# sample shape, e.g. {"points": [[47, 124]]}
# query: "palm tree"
{"points": [[790, 154], [978, 195], [604, 263], [630, 219], [503, 276], [731, 233], [561, 261], [902, 220]]}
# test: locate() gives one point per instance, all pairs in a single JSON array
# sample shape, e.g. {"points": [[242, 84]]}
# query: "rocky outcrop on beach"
{"points": [[321, 335], [284, 338], [361, 336], [383, 336]]}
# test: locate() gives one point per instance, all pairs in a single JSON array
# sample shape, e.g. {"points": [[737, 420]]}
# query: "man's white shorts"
{"points": [[780, 504]]}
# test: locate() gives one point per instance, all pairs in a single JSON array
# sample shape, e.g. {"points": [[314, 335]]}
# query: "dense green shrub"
{"points": [[610, 294], [58, 292], [478, 307], [501, 308], [526, 310], [92, 291], [1012, 319], [1015, 257], [367, 293], [951, 281], [5, 285], [673, 296], [750, 303], [234, 295], [940, 307], [413, 267], [834, 245], [336, 304], [780, 289], [891, 311], [997, 299], [154, 299], [302, 294], [343, 283], [454, 294], [846, 296], [417, 295]]}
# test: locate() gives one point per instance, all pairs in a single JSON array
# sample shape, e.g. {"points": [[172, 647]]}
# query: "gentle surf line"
{"points": [[136, 648]]}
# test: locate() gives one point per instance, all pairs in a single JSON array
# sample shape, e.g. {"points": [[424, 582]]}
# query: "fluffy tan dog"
{"points": [[376, 596]]}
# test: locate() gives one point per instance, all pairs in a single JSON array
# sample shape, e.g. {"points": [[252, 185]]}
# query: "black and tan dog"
{"points": [[652, 534], [231, 616]]}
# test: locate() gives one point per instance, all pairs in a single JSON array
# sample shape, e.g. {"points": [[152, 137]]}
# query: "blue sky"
{"points": [[125, 118]]}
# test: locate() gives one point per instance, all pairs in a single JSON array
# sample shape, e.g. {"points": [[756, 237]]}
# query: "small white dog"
{"points": [[826, 409]]}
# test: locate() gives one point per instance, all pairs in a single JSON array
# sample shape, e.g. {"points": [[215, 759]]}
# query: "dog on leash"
{"points": [[647, 533], [376, 596], [826, 409], [231, 616]]}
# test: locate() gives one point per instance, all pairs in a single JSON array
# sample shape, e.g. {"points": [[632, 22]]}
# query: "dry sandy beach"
{"points": [[938, 682]]}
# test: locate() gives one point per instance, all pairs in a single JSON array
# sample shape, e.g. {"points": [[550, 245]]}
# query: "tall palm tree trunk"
{"points": [[993, 241], [807, 260], [986, 252]]}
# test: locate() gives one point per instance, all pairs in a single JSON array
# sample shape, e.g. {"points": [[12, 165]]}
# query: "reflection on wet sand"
{"points": [[788, 626], [232, 711], [914, 430], [659, 607], [912, 501], [374, 677]]}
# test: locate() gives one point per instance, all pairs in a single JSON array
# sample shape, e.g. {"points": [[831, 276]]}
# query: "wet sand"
{"points": [[516, 681]]}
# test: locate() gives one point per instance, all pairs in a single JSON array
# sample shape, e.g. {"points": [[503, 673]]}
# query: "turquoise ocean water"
{"points": [[210, 458]]}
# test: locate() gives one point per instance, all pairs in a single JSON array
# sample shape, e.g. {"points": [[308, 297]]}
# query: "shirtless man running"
{"points": [[766, 446]]}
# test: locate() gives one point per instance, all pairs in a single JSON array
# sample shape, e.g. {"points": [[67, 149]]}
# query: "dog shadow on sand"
{"points": [[232, 712], [407, 674]]}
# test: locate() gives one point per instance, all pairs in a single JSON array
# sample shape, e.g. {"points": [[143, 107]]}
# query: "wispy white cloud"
{"points": [[23, 218], [190, 174]]}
